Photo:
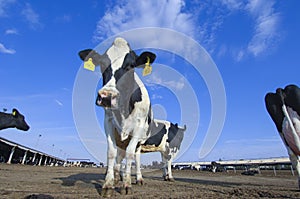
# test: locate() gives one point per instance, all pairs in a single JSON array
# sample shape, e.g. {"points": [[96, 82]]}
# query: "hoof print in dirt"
{"points": [[126, 191], [107, 192]]}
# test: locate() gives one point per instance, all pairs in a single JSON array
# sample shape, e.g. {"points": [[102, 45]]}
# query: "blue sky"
{"points": [[254, 45]]}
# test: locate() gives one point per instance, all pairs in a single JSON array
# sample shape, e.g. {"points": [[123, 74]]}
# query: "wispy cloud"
{"points": [[3, 6], [31, 16], [11, 32], [5, 50], [160, 13], [266, 26], [156, 79], [264, 147], [266, 20], [247, 141], [232, 4], [201, 20], [58, 102], [156, 96], [66, 18]]}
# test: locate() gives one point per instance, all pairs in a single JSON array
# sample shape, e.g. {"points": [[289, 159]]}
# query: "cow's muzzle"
{"points": [[107, 99]]}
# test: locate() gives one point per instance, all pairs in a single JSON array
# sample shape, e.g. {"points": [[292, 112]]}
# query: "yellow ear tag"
{"points": [[148, 68], [14, 113], [89, 65]]}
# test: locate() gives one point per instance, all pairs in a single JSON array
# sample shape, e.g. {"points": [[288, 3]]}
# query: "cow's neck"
{"points": [[130, 93], [6, 121]]}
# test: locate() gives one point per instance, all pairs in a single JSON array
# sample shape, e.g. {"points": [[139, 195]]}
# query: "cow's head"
{"points": [[117, 67], [19, 120]]}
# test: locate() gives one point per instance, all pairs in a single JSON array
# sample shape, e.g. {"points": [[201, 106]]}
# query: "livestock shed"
{"points": [[14, 153], [242, 164]]}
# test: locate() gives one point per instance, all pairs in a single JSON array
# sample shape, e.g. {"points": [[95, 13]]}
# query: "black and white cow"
{"points": [[165, 138], [128, 112], [13, 120], [284, 109], [216, 167]]}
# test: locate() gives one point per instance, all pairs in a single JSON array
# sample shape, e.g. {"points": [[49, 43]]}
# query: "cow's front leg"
{"points": [[108, 187], [120, 157], [139, 177], [130, 153]]}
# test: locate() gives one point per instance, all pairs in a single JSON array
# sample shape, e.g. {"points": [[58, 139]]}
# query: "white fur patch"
{"points": [[116, 53], [292, 133]]}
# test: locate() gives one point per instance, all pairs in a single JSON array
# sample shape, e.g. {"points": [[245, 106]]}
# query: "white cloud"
{"points": [[159, 13], [5, 50], [156, 79], [266, 26], [201, 20], [232, 4], [156, 96], [31, 16], [3, 6], [11, 32]]}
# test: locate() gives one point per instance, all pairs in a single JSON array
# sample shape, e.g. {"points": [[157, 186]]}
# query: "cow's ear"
{"points": [[144, 58], [89, 53], [15, 112]]}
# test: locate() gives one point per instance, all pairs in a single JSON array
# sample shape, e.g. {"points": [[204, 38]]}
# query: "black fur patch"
{"points": [[157, 134], [107, 75], [135, 97], [175, 136], [273, 105]]}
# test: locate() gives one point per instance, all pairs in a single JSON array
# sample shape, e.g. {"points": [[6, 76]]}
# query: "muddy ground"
{"points": [[21, 181]]}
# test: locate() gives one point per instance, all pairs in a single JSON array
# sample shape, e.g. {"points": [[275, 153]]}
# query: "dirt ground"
{"points": [[21, 181]]}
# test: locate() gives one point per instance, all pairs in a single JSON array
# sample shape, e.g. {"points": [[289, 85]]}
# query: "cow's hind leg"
{"points": [[169, 163], [139, 177], [167, 168]]}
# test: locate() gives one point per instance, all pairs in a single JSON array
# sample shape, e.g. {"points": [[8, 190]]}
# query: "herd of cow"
{"points": [[129, 124]]}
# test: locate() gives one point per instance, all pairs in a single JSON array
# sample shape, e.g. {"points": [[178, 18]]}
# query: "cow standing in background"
{"points": [[13, 120], [128, 113], [284, 109], [165, 138]]}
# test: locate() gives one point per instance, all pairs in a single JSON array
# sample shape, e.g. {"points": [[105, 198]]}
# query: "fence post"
{"points": [[292, 170], [274, 169], [11, 155]]}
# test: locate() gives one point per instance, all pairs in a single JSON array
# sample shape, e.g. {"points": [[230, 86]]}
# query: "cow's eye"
{"points": [[129, 67]]}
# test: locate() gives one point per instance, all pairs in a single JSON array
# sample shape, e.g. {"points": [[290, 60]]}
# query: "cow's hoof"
{"points": [[107, 192], [171, 180], [140, 182], [126, 191]]}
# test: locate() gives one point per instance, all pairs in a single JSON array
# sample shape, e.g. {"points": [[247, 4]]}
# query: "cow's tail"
{"points": [[183, 128]]}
